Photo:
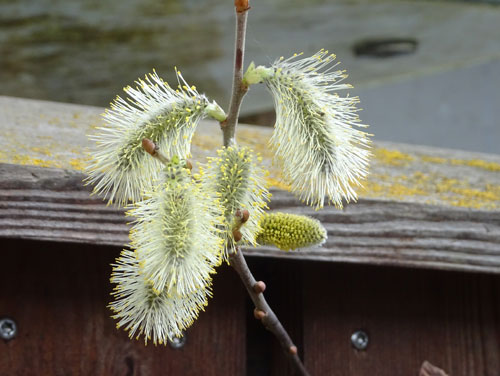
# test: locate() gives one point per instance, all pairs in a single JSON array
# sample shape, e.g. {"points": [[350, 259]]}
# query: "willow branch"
{"points": [[236, 259], [262, 310], [239, 89]]}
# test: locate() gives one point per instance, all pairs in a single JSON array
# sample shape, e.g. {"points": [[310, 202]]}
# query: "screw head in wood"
{"points": [[360, 340], [8, 328]]}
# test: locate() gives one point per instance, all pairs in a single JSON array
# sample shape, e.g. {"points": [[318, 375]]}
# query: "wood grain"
{"points": [[52, 204], [58, 293], [48, 134], [284, 294], [450, 319]]}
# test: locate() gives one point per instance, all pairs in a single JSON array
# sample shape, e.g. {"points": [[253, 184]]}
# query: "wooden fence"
{"points": [[414, 264]]}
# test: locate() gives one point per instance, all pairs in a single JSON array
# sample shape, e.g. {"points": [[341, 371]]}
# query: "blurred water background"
{"points": [[427, 72]]}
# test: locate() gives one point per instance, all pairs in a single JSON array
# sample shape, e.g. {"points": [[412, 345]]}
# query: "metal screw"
{"points": [[359, 340], [8, 328], [177, 342]]}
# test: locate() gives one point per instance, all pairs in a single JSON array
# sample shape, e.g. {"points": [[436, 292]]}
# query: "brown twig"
{"points": [[263, 312], [239, 90], [151, 148], [236, 259]]}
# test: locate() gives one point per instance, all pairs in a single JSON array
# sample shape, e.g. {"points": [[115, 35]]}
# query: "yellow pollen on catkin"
{"points": [[290, 231]]}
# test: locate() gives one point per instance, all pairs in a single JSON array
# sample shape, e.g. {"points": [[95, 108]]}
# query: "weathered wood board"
{"points": [[420, 207], [58, 294], [448, 319]]}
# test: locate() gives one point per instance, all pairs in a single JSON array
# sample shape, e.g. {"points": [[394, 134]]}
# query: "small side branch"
{"points": [[152, 149], [239, 89], [262, 310]]}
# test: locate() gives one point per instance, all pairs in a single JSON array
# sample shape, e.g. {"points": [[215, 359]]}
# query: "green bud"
{"points": [[254, 74], [290, 231], [215, 111]]}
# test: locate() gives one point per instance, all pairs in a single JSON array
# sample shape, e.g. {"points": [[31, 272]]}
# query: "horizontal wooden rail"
{"points": [[52, 204], [421, 207]]}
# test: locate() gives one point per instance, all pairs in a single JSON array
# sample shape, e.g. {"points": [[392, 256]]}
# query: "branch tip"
{"points": [[241, 5], [237, 92]]}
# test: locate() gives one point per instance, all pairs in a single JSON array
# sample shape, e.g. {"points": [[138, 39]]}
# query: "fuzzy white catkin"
{"points": [[175, 234], [315, 139], [238, 180], [137, 308], [119, 168]]}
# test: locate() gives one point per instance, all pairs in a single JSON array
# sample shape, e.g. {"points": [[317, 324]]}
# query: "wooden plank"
{"points": [[449, 319], [421, 207], [52, 204], [283, 279], [58, 299], [284, 293], [50, 134]]}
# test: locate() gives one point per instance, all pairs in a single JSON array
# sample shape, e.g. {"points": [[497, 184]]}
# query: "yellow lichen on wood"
{"points": [[56, 138], [400, 190], [432, 188], [23, 159], [392, 157], [460, 193], [435, 188], [431, 159], [78, 164], [393, 187], [277, 183], [479, 163], [207, 143], [256, 140], [42, 150]]}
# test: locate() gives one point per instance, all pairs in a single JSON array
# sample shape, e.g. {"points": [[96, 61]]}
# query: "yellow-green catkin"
{"points": [[239, 183], [290, 231]]}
